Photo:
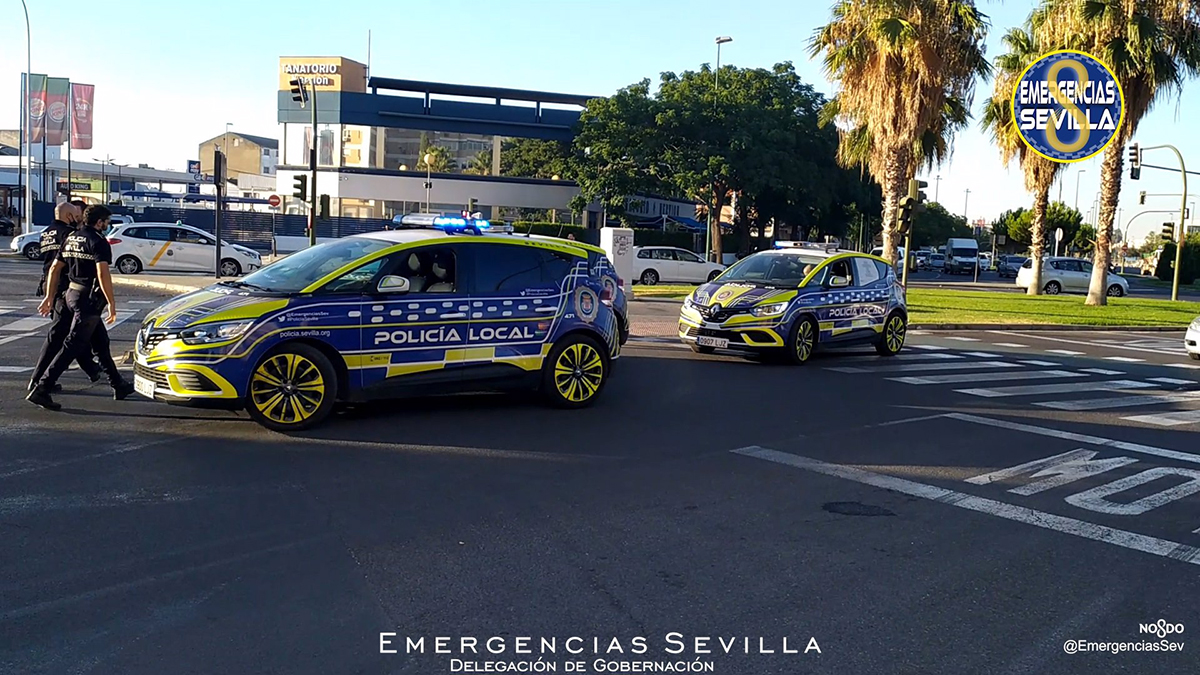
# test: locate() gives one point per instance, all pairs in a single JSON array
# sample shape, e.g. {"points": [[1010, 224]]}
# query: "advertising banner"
{"points": [[81, 121], [35, 108], [57, 91]]}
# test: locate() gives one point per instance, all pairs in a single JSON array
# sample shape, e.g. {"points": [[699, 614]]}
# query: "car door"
{"points": [[871, 302], [519, 294], [1069, 273], [691, 266], [194, 250], [838, 312], [154, 248], [666, 264]]}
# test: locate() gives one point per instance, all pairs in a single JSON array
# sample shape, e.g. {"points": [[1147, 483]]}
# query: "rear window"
{"points": [[505, 267]]}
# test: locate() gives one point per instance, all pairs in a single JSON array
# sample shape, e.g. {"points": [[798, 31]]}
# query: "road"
{"points": [[868, 504]]}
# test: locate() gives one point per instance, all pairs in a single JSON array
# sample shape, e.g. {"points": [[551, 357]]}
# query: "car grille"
{"points": [[718, 314], [147, 340], [187, 379], [158, 377]]}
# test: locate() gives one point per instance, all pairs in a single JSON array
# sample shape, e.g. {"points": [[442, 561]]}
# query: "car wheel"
{"points": [[32, 251], [1115, 291], [894, 331], [230, 268], [700, 349], [128, 264], [574, 372], [1052, 288], [712, 276], [292, 388], [649, 277], [802, 341], [1194, 357]]}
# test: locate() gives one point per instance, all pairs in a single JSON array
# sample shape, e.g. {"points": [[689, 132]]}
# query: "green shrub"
{"points": [[1189, 271]]}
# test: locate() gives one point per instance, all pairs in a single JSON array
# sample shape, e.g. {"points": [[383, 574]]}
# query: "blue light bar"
{"points": [[450, 224]]}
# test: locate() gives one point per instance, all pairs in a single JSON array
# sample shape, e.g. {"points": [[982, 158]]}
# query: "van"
{"points": [[962, 256]]}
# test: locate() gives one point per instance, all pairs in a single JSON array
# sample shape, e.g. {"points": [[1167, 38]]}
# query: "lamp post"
{"points": [[937, 183], [428, 179], [104, 176], [720, 40], [226, 148], [1081, 172], [27, 221]]}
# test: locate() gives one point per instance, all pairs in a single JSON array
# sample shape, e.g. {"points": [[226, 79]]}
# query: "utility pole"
{"points": [[937, 184], [312, 167]]}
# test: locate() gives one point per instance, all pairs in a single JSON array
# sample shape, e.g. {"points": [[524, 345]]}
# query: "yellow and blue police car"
{"points": [[795, 298], [440, 304]]}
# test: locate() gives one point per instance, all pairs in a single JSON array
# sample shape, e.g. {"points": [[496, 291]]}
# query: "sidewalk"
{"points": [[167, 283]]}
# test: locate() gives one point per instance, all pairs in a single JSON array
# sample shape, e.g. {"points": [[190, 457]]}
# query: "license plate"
{"points": [[143, 386], [719, 343]]}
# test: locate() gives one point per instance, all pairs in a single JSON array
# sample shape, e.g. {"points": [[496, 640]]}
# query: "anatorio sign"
{"points": [[332, 73]]}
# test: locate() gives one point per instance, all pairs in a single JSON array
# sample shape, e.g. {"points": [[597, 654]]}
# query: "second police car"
{"points": [[439, 305], [790, 300]]}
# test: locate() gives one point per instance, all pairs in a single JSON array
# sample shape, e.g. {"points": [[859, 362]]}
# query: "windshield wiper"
{"points": [[244, 284]]}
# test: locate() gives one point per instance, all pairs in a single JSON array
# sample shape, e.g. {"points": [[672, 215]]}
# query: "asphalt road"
{"points": [[854, 501], [992, 281]]}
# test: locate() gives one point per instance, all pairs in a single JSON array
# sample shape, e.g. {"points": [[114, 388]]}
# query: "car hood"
{"points": [[733, 295], [215, 303]]}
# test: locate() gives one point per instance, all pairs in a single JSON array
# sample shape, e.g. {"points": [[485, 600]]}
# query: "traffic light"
{"points": [[471, 203], [1168, 232], [323, 208], [218, 168], [1142, 197], [300, 187], [1135, 161], [904, 216], [914, 190], [299, 92]]}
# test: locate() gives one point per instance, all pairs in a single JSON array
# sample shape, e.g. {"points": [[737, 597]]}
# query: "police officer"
{"points": [[67, 216], [84, 257]]}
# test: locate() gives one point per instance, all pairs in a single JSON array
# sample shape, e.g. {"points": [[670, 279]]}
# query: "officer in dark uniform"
{"points": [[84, 257], [66, 218]]}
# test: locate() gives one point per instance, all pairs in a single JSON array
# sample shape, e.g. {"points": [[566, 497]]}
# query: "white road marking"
{"points": [[1096, 499], [139, 302], [26, 324], [1101, 371], [1064, 352], [918, 356], [1179, 349], [1124, 359], [1125, 401], [6, 310], [1169, 380], [983, 355], [959, 378], [1187, 366], [926, 367], [1049, 521], [1078, 438], [1167, 419], [37, 300], [1013, 345], [932, 348], [14, 338], [1038, 389], [963, 339], [1050, 364], [15, 369], [1053, 472]]}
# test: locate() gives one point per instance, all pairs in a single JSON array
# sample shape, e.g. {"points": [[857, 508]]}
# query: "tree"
{"points": [[935, 225], [898, 64], [1057, 215], [1152, 46], [535, 158], [1084, 240], [1007, 224], [481, 164], [1039, 172], [1189, 271], [1150, 244], [440, 160]]}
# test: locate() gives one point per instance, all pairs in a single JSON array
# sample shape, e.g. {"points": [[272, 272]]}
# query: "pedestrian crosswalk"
{"points": [[1053, 385]]}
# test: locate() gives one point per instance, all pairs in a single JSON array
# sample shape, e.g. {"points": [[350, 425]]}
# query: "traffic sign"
{"points": [[274, 201]]}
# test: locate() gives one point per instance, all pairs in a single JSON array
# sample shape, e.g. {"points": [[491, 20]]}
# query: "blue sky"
{"points": [[170, 74]]}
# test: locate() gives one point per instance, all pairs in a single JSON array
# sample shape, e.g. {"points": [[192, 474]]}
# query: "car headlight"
{"points": [[214, 332], [689, 303], [769, 310], [1196, 323]]}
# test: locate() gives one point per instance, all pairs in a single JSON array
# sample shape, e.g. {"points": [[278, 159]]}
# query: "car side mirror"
{"points": [[393, 284], [838, 282], [204, 242]]}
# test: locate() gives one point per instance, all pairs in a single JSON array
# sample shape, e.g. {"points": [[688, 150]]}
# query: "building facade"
{"points": [[245, 154]]}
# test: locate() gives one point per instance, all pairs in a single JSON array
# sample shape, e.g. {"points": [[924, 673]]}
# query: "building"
{"points": [[244, 154], [372, 133]]}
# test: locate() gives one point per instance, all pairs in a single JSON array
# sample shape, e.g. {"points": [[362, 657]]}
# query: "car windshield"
{"points": [[773, 269], [297, 271]]}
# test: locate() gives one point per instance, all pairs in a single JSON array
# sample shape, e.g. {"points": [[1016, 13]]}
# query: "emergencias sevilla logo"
{"points": [[1068, 106]]}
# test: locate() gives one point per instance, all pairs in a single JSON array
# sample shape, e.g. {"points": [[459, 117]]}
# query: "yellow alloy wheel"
{"points": [[805, 341], [578, 372], [287, 388], [895, 334]]}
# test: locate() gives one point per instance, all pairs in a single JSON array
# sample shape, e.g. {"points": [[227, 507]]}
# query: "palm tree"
{"points": [[898, 64], [481, 164], [440, 160], [1152, 46], [997, 118]]}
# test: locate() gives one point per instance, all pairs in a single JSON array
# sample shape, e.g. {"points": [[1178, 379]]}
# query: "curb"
{"points": [[676, 301], [133, 282], [1042, 327]]}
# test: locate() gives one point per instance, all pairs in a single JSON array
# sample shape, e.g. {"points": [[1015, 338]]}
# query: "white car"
{"points": [[1069, 274], [1191, 341], [175, 247], [652, 264], [28, 244]]}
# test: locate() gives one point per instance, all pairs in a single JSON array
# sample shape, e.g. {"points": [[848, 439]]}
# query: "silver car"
{"points": [[1066, 275]]}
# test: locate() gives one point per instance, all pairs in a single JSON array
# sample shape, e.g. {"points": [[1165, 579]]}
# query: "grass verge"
{"points": [[929, 306]]}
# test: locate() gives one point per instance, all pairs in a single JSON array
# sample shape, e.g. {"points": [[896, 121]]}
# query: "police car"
{"points": [[794, 298], [439, 304]]}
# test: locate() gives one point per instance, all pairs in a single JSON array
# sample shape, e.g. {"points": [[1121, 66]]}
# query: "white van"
{"points": [[962, 256]]}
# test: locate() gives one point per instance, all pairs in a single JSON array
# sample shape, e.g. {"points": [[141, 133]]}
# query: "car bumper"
{"points": [[755, 338], [186, 383], [1191, 341]]}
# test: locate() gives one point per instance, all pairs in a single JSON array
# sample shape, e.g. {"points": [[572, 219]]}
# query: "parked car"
{"points": [[937, 261], [1061, 275], [922, 259], [175, 247], [1191, 341], [653, 264], [1009, 264], [7, 226], [28, 244]]}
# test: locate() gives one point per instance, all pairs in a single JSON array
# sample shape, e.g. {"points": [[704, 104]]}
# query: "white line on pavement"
{"points": [[959, 378], [1080, 528], [927, 367], [15, 369], [1064, 352], [139, 302], [1066, 387], [932, 348], [911, 356], [983, 355], [1187, 366], [1009, 344], [1123, 401], [1167, 419], [1050, 364], [1101, 371], [962, 339], [1124, 359], [1169, 380], [1032, 336], [26, 324], [14, 338]]}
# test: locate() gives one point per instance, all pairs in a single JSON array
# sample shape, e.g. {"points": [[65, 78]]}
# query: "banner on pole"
{"points": [[57, 91], [81, 120], [35, 108]]}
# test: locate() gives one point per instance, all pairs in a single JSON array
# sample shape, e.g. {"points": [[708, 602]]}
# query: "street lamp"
{"points": [[937, 183], [104, 176], [428, 179], [27, 220], [404, 167], [226, 148], [1081, 172], [720, 40]]}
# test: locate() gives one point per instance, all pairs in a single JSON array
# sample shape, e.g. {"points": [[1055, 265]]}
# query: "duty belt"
{"points": [[76, 286]]}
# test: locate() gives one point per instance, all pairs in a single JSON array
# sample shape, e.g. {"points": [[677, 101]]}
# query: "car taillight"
{"points": [[113, 241], [606, 295]]}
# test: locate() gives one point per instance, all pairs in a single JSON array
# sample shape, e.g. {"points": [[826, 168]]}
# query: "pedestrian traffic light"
{"points": [[1142, 197], [1135, 161], [299, 92], [300, 187], [1168, 232], [323, 209]]}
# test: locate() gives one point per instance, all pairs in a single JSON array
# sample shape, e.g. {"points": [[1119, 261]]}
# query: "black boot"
{"points": [[40, 397], [54, 390], [122, 389]]}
